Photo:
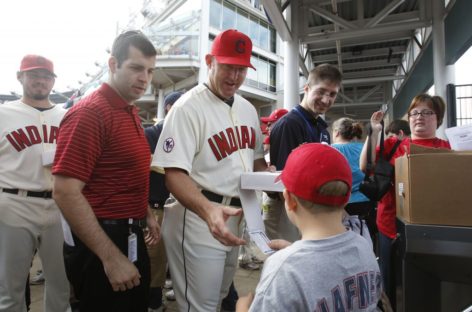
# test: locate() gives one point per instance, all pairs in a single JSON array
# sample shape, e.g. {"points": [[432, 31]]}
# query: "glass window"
{"points": [[264, 36], [229, 16], [263, 74], [243, 21], [215, 13], [273, 40], [272, 76], [254, 32], [251, 73]]}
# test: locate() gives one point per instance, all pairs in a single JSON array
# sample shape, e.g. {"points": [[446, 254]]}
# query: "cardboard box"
{"points": [[434, 186]]}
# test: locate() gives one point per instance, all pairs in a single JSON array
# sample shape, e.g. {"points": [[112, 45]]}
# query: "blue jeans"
{"points": [[385, 256]]}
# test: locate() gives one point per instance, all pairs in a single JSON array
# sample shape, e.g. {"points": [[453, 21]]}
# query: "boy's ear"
{"points": [[290, 201]]}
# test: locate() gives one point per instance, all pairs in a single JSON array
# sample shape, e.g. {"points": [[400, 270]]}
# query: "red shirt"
{"points": [[101, 142], [386, 208]]}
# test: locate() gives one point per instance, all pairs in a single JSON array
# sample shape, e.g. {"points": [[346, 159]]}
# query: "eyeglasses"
{"points": [[37, 76], [424, 113]]}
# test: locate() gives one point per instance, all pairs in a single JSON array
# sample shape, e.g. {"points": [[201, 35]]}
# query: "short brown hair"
{"points": [[436, 103], [135, 38], [324, 72], [331, 188]]}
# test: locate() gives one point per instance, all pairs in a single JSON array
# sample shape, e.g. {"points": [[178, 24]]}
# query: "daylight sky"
{"points": [[74, 35]]}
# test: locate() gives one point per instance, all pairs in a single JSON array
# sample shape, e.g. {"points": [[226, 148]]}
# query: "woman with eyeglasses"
{"points": [[425, 115]]}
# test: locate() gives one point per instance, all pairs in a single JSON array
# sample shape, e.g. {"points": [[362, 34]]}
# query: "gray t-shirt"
{"points": [[338, 273]]}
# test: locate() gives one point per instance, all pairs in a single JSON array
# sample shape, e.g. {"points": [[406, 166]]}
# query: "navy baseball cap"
{"points": [[172, 97]]}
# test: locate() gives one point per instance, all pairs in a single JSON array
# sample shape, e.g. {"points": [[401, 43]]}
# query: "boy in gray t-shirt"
{"points": [[330, 268]]}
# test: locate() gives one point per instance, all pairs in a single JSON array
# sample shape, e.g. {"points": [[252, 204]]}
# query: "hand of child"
{"points": [[278, 244], [244, 302]]}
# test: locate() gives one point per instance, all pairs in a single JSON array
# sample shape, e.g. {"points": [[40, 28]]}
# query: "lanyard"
{"points": [[310, 126]]}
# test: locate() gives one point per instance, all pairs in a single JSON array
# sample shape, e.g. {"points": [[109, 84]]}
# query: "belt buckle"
{"points": [[45, 195]]}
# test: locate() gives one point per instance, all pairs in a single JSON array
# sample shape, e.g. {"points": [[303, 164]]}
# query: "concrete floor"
{"points": [[245, 282]]}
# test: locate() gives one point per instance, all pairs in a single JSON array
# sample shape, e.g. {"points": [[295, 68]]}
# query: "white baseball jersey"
{"points": [[26, 133], [212, 141]]}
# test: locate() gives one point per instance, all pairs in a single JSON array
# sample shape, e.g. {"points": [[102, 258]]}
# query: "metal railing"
{"points": [[459, 109]]}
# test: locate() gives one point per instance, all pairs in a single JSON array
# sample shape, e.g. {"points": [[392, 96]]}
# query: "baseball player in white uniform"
{"points": [[30, 219], [210, 137]]}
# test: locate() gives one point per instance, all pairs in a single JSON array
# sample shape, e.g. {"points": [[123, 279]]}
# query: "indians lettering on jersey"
{"points": [[31, 135], [366, 287], [230, 140]]}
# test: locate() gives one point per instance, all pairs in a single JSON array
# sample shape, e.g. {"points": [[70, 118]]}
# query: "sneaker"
{"points": [[38, 279], [256, 260], [170, 295], [168, 284], [249, 266]]}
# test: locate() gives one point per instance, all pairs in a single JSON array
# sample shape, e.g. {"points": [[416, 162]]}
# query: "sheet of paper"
{"points": [[460, 137], [262, 181], [261, 240], [252, 213], [67, 232]]}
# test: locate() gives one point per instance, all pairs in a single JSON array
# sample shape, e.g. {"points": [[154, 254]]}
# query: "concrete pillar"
{"points": [[443, 74], [291, 66], [203, 40], [160, 105]]}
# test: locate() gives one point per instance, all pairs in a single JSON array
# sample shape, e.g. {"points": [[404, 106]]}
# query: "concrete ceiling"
{"points": [[366, 39]]}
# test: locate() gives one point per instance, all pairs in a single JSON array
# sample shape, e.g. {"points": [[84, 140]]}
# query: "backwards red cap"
{"points": [[276, 115], [312, 165], [30, 62], [232, 47]]}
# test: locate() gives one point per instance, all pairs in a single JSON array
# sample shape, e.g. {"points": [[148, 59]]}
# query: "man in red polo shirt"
{"points": [[101, 184]]}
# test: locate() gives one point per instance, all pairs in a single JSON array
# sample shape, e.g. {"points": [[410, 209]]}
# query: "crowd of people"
{"points": [[120, 209]]}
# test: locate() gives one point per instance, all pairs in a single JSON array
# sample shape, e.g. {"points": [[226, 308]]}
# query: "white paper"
{"points": [[262, 181], [255, 225], [67, 232], [460, 138], [262, 241]]}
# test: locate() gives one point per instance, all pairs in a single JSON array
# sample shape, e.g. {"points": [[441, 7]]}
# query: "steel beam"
{"points": [[383, 13], [363, 33]]}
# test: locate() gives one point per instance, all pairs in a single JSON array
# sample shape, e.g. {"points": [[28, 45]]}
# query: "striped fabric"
{"points": [[101, 142]]}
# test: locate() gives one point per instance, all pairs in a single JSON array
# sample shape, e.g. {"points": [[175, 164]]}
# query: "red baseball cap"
{"points": [[266, 140], [232, 47], [312, 165], [30, 62], [275, 115]]}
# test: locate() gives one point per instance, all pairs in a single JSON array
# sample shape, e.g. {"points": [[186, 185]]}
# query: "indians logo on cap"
{"points": [[240, 46]]}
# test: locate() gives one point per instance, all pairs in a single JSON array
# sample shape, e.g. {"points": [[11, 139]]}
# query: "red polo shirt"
{"points": [[101, 142]]}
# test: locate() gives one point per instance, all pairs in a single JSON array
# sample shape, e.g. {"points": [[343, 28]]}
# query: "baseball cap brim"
{"points": [[37, 67], [233, 61], [266, 119]]}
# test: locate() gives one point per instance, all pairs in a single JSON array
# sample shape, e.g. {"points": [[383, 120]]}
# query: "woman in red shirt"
{"points": [[425, 115]]}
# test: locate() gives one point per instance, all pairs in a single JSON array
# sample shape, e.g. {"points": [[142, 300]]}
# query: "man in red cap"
{"points": [[210, 137], [330, 268], [30, 219], [269, 121]]}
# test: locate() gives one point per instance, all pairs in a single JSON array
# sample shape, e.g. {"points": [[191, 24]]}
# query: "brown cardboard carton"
{"points": [[434, 186]]}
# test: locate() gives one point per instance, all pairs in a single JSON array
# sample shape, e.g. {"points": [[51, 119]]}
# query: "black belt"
{"points": [[45, 194], [129, 221], [236, 202]]}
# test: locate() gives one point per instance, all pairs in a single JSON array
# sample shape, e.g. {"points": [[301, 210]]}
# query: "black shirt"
{"points": [[297, 127], [158, 192]]}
